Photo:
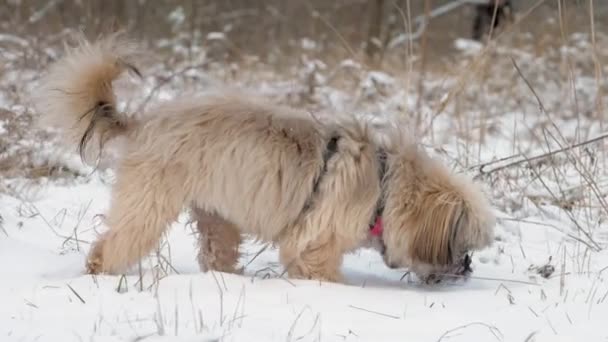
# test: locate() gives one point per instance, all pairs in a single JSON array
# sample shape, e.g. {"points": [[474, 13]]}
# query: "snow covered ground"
{"points": [[46, 297], [552, 221]]}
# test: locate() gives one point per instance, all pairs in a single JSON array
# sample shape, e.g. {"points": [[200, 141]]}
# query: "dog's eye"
{"points": [[104, 108]]}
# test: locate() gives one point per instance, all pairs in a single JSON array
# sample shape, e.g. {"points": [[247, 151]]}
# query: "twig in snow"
{"points": [[257, 254], [28, 303], [481, 167], [36, 212], [279, 275], [81, 215], [548, 225], [487, 278], [551, 325], [76, 293], [494, 330], [121, 280], [562, 278], [240, 303], [2, 227], [221, 294], [295, 321], [603, 298], [375, 312], [530, 337], [568, 213]]}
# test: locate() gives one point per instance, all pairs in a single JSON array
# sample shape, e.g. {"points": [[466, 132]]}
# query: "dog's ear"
{"points": [[434, 216], [437, 228]]}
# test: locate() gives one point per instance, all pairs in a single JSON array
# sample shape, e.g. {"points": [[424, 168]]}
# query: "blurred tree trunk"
{"points": [[423, 61], [374, 44], [193, 27], [140, 18]]}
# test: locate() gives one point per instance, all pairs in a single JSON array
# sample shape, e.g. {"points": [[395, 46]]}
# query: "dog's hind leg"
{"points": [[144, 203], [219, 242]]}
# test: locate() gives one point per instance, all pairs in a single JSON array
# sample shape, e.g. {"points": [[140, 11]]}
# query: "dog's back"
{"points": [[242, 148]]}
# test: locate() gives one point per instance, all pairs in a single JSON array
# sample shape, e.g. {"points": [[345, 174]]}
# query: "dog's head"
{"points": [[432, 218]]}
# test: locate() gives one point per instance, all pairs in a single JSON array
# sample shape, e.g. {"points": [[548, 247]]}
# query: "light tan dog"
{"points": [[313, 188]]}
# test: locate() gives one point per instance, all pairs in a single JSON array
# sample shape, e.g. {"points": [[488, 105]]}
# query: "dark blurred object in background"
{"points": [[488, 17]]}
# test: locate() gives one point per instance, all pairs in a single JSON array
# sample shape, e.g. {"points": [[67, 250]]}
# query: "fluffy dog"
{"points": [[313, 188]]}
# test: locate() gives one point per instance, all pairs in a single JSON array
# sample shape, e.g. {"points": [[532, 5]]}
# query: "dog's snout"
{"points": [[390, 264], [393, 265]]}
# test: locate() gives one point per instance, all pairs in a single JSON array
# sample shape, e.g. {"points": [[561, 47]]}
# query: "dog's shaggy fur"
{"points": [[219, 242], [245, 166]]}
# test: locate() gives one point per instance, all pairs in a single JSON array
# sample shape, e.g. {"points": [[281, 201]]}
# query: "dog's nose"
{"points": [[393, 265]]}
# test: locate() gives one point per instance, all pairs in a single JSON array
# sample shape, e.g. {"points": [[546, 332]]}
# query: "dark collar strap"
{"points": [[330, 150], [382, 169]]}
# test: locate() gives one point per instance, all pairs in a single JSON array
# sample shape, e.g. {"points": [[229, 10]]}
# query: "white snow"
{"points": [[46, 296], [308, 44], [216, 36], [467, 45], [177, 16]]}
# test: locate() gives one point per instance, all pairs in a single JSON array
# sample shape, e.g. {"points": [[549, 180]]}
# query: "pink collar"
{"points": [[378, 228]]}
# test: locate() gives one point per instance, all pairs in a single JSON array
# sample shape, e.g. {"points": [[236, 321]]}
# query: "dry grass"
{"points": [[19, 157]]}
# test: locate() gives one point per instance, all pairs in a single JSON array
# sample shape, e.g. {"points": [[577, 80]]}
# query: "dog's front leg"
{"points": [[94, 264], [320, 259]]}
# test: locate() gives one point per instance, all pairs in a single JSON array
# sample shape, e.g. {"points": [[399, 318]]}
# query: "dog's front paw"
{"points": [[94, 266], [305, 273], [94, 263]]}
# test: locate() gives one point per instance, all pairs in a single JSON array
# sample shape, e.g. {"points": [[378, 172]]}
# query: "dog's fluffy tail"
{"points": [[77, 96]]}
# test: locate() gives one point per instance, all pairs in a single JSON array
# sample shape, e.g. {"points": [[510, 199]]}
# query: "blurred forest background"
{"points": [[274, 29], [466, 97]]}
